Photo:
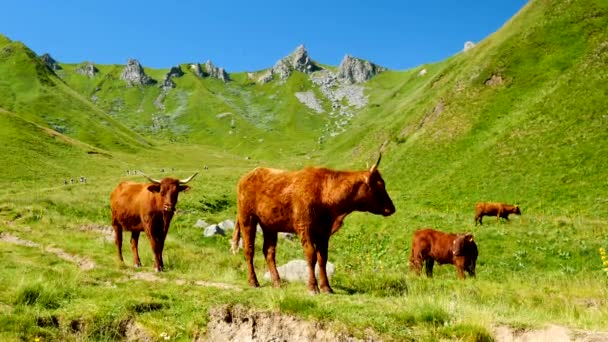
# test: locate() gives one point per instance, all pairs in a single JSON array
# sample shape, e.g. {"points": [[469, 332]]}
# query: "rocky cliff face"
{"points": [[216, 72], [134, 74], [298, 60], [87, 69], [175, 71], [50, 62], [355, 70]]}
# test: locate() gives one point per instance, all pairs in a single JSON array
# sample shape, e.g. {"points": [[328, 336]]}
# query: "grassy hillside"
{"points": [[519, 118]]}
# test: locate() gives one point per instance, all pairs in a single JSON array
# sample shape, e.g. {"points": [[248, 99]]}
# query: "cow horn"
{"points": [[188, 179], [375, 166], [155, 181]]}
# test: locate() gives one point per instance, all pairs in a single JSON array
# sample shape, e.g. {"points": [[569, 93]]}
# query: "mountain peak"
{"points": [[357, 70]]}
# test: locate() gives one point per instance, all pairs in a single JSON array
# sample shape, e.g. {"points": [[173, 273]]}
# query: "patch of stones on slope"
{"points": [[342, 88]]}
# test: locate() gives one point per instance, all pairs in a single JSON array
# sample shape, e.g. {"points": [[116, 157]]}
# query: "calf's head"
{"points": [[169, 188], [372, 194]]}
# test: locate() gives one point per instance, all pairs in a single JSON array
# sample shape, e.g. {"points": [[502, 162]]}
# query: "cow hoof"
{"points": [[158, 270], [327, 290], [313, 291], [137, 265]]}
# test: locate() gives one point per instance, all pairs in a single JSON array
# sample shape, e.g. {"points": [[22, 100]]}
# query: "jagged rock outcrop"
{"points": [[297, 60], [50, 62], [216, 72], [87, 69], [196, 69], [134, 74], [468, 46], [168, 83], [355, 70]]}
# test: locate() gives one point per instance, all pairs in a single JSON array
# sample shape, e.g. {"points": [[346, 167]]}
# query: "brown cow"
{"points": [[311, 202], [494, 209], [429, 245], [149, 207]]}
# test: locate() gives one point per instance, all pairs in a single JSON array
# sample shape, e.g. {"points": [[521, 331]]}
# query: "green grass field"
{"points": [[536, 136]]}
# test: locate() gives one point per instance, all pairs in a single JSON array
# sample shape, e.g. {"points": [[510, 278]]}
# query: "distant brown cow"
{"points": [[138, 207], [429, 245], [311, 202], [495, 209]]}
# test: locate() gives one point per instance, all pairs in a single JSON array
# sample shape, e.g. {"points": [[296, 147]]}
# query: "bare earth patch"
{"points": [[84, 263], [227, 323], [552, 333]]}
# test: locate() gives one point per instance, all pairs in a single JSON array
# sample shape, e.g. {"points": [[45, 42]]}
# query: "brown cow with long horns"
{"points": [[311, 202], [147, 207]]}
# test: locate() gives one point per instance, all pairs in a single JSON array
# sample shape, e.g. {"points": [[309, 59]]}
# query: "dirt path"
{"points": [[551, 333], [83, 263]]}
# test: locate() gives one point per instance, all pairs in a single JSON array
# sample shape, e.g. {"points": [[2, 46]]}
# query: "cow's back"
{"points": [[438, 243], [127, 199], [487, 208]]}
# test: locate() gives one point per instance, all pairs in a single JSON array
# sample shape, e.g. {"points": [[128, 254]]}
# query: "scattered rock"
{"points": [[422, 72], [50, 62], [288, 236], [87, 69], [168, 83], [201, 224], [226, 225], [237, 323], [297, 270], [309, 99], [355, 70], [134, 74], [212, 230], [468, 46], [266, 77], [493, 81]]}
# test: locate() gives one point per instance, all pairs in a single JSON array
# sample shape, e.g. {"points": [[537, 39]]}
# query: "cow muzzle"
{"points": [[169, 208]]}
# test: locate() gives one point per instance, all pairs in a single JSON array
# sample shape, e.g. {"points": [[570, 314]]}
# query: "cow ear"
{"points": [[183, 188], [468, 237], [154, 187]]}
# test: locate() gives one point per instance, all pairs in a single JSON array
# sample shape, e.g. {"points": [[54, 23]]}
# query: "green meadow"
{"points": [[521, 118]]}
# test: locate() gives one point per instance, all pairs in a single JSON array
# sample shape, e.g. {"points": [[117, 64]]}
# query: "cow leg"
{"points": [[134, 249], [118, 238], [270, 247], [157, 248], [322, 246], [311, 257], [248, 234], [429, 267], [460, 266]]}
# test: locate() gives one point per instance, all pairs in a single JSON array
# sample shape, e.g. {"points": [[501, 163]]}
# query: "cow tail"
{"points": [[236, 236]]}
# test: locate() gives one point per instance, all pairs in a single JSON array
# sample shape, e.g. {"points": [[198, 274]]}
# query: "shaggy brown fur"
{"points": [[495, 209], [312, 203], [149, 207], [429, 245]]}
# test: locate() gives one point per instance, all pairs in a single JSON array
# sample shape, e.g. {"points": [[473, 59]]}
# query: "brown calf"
{"points": [[312, 203], [495, 209], [430, 245], [138, 207]]}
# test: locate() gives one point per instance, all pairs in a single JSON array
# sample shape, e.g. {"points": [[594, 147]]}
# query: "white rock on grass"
{"points": [[201, 224], [226, 224], [213, 229], [297, 270]]}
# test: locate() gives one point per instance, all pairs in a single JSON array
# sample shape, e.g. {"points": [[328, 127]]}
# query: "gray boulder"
{"points": [[50, 62], [87, 69], [355, 70], [134, 74], [226, 225], [297, 270], [213, 229], [201, 223], [468, 46]]}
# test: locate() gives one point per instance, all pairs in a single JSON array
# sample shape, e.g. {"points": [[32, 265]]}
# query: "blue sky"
{"points": [[251, 35]]}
